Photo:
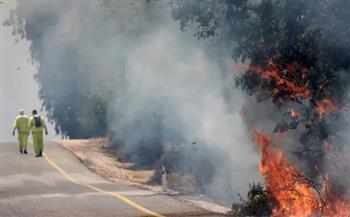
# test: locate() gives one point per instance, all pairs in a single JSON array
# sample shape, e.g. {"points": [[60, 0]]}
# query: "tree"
{"points": [[298, 57]]}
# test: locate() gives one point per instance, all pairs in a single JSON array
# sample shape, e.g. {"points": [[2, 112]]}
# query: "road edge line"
{"points": [[61, 171], [108, 193]]}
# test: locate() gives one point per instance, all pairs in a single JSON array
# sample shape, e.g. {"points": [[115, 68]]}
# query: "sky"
{"points": [[18, 86]]}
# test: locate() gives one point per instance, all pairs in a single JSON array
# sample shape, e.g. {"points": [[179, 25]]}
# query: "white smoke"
{"points": [[134, 53]]}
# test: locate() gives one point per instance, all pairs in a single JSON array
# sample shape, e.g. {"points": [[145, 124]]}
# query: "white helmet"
{"points": [[21, 112]]}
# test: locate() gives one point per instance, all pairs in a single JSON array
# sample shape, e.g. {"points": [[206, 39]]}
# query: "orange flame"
{"points": [[326, 105], [295, 86], [328, 147], [240, 67], [293, 192], [291, 83], [293, 113]]}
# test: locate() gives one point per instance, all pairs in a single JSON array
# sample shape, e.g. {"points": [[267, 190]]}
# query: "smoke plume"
{"points": [[297, 68], [126, 68]]}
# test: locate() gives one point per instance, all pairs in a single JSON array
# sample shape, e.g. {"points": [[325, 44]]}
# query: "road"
{"points": [[59, 185]]}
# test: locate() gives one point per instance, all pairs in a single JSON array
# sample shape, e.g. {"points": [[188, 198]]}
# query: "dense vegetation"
{"points": [[298, 54]]}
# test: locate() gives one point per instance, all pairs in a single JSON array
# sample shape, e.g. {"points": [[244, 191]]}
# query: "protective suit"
{"points": [[37, 126], [21, 125]]}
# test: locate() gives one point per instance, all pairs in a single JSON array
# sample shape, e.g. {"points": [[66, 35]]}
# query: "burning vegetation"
{"points": [[293, 193], [313, 192], [293, 57], [298, 68]]}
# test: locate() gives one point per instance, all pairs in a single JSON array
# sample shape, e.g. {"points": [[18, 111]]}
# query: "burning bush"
{"points": [[296, 194], [289, 192], [299, 62]]}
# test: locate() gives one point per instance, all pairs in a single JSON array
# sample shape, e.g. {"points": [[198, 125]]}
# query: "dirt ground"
{"points": [[105, 162]]}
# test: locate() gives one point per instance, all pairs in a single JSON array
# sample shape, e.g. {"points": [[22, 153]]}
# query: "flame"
{"points": [[294, 198], [240, 67], [292, 193], [290, 82], [295, 194], [326, 105], [328, 147], [293, 113]]}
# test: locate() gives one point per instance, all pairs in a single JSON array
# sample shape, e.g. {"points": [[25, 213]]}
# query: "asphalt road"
{"points": [[59, 185]]}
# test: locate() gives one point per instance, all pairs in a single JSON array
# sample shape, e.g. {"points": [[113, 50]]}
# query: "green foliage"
{"points": [[310, 35], [304, 44], [290, 28], [257, 202]]}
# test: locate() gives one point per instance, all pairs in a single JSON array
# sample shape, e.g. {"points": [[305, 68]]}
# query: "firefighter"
{"points": [[37, 126], [21, 125]]}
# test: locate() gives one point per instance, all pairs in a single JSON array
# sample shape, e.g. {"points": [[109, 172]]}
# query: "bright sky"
{"points": [[18, 87]]}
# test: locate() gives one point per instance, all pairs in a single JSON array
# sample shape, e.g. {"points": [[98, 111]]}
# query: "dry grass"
{"points": [[105, 162]]}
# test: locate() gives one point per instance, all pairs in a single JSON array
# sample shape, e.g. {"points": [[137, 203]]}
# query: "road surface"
{"points": [[59, 185]]}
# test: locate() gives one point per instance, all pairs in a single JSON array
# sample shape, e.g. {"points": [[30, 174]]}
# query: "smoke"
{"points": [[302, 69], [127, 68], [298, 72]]}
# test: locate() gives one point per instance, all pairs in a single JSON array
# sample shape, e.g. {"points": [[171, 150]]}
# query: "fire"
{"points": [[240, 67], [295, 195], [326, 105], [293, 113], [291, 192], [328, 147], [290, 81]]}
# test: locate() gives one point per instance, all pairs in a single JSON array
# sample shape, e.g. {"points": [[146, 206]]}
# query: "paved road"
{"points": [[59, 185]]}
